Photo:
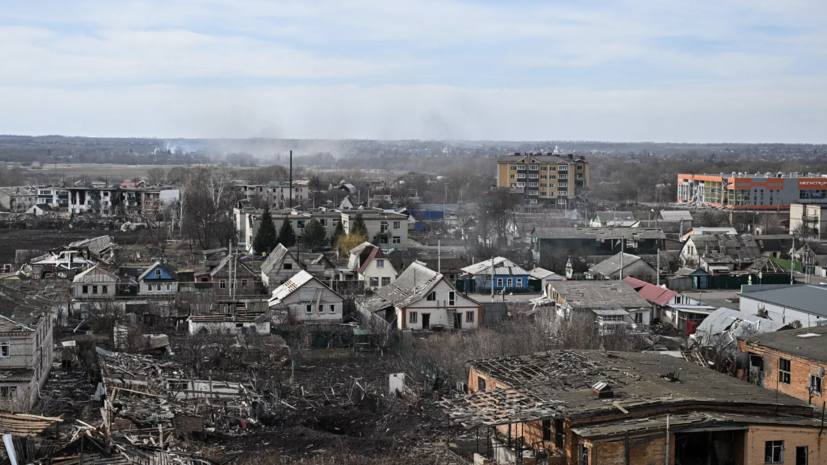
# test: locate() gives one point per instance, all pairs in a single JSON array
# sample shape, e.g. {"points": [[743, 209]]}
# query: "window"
{"points": [[383, 226], [380, 263], [802, 455], [300, 224], [85, 289], [412, 317], [397, 240], [431, 296], [815, 384], [396, 225], [374, 282], [784, 370], [774, 452], [546, 430], [157, 273], [168, 288], [104, 289], [386, 280], [222, 284], [499, 282], [94, 289], [287, 266], [332, 308], [509, 282], [243, 283], [582, 455], [8, 392], [308, 308], [159, 287], [4, 349], [481, 384], [469, 317], [519, 282]]}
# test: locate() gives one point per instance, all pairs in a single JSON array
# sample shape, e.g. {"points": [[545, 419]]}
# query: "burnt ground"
{"points": [[348, 421], [16, 237]]}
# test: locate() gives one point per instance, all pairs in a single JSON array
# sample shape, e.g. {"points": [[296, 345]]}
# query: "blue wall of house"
{"points": [[164, 276]]}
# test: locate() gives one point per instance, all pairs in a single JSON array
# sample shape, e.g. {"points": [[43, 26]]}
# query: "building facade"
{"points": [[545, 178], [756, 191]]}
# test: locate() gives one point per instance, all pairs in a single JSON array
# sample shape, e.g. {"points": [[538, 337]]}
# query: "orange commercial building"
{"points": [[745, 191]]}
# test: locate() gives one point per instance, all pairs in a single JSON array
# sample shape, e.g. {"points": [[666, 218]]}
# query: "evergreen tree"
{"points": [[315, 235], [287, 236], [265, 240], [337, 234], [358, 227]]}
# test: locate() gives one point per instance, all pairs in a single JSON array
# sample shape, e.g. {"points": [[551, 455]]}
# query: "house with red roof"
{"points": [[681, 311]]}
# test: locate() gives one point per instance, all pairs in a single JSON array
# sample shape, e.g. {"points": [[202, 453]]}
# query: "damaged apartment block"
{"points": [[623, 408]]}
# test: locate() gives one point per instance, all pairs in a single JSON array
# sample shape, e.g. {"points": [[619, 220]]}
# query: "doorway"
{"points": [[457, 320], [426, 321], [801, 455]]}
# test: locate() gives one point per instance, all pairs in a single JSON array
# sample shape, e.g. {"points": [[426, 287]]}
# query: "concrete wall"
{"points": [[780, 313], [800, 371]]}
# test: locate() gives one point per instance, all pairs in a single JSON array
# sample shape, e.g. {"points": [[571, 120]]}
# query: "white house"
{"points": [[422, 299], [158, 279], [305, 299], [94, 283], [371, 266], [785, 303], [387, 229]]}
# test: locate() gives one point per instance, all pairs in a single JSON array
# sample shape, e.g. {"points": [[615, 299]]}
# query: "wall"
{"points": [[373, 271], [800, 371], [227, 327], [792, 437], [296, 304], [151, 288], [778, 312]]}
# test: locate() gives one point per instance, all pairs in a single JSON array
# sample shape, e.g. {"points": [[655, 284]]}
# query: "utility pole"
{"points": [[291, 179], [657, 270], [438, 256], [792, 262], [622, 242]]}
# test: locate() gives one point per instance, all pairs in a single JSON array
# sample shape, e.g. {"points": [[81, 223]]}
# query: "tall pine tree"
{"points": [[358, 227], [287, 236], [265, 240], [337, 234], [315, 235]]}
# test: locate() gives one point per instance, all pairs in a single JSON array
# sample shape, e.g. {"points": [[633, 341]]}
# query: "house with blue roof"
{"points": [[158, 279], [499, 272]]}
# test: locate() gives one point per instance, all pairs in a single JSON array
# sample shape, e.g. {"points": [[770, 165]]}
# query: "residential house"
{"points": [[720, 253], [720, 332], [791, 362], [246, 279], [607, 306], [158, 279], [683, 219], [386, 229], [367, 262], [613, 219], [281, 264], [498, 273], [305, 299], [599, 407], [423, 299], [41, 209], [620, 265], [709, 230], [93, 287], [785, 303], [26, 325]]}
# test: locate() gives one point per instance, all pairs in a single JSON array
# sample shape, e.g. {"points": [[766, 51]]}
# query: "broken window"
{"points": [[583, 455], [774, 452], [784, 370], [481, 384], [385, 281], [431, 296], [412, 317], [815, 384], [559, 436], [374, 282], [546, 430], [8, 392], [332, 308], [104, 289], [308, 308], [802, 454], [287, 266], [4, 349], [85, 289]]}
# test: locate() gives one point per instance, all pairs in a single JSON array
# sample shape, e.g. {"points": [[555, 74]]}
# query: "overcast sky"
{"points": [[618, 70]]}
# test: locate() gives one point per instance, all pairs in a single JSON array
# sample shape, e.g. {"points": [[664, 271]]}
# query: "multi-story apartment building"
{"points": [[109, 201], [751, 191], [56, 197], [544, 177], [808, 220], [276, 194], [247, 221]]}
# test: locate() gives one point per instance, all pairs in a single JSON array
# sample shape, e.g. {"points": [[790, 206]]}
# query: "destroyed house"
{"points": [[792, 362], [720, 253], [281, 264], [613, 218], [25, 347], [553, 246], [305, 299], [621, 265], [628, 408], [423, 299], [240, 275], [608, 305]]}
